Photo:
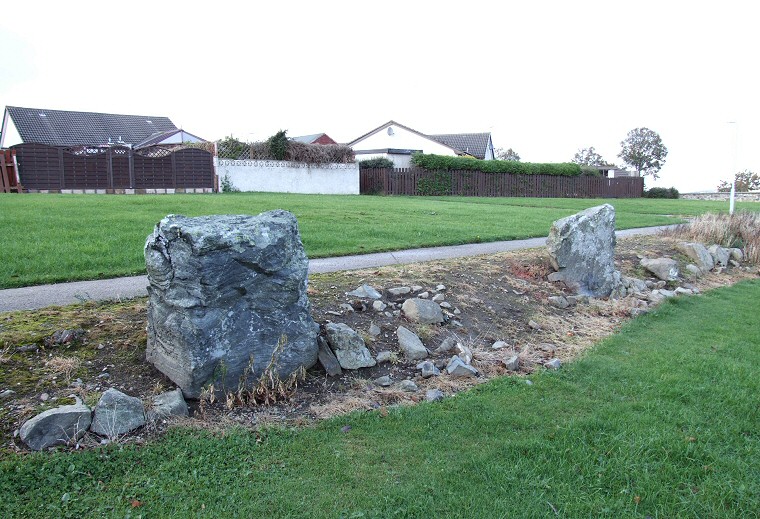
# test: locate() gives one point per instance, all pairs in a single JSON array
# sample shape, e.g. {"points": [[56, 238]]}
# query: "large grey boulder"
{"points": [[56, 426], [411, 344], [117, 414], [699, 254], [228, 292], [422, 311], [581, 249], [349, 347], [665, 269]]}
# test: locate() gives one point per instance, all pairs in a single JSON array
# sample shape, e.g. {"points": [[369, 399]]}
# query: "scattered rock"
{"points": [[458, 368], [168, 404], [408, 386], [512, 363], [366, 292], [346, 307], [545, 346], [423, 295], [434, 395], [374, 330], [56, 426], [438, 298], [444, 304], [384, 356], [422, 311], [384, 381], [553, 364], [558, 301], [533, 325], [44, 397], [736, 254], [399, 291], [411, 344], [227, 288], [8, 393], [440, 288], [348, 346], [719, 255], [574, 300], [663, 268], [379, 306], [117, 414], [328, 359], [61, 337], [655, 297], [448, 344], [667, 293], [683, 291], [698, 254], [416, 288], [636, 284], [428, 369], [464, 353], [581, 249], [499, 345]]}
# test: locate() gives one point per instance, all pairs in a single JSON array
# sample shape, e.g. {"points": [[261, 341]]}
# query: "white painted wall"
{"points": [[399, 160], [273, 176], [9, 136], [402, 139]]}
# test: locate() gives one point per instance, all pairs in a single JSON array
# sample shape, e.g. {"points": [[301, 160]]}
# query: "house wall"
{"points": [[274, 176], [399, 160], [9, 135], [324, 139], [402, 139]]}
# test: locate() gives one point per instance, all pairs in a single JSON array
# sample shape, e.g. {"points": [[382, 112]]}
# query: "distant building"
{"points": [[316, 138], [66, 128]]}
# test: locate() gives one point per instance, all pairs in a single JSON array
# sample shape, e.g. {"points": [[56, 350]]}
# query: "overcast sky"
{"points": [[546, 78]]}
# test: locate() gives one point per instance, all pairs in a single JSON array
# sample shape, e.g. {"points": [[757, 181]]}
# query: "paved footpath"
{"points": [[30, 298]]}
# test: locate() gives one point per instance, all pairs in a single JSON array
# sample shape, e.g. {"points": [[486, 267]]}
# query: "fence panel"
{"points": [[413, 181]]}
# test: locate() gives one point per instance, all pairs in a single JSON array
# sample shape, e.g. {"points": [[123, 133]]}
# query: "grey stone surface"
{"points": [[581, 248], [512, 363], [736, 254], [117, 414], [458, 368], [422, 311], [499, 345], [374, 330], [408, 386], [227, 292], [693, 270], [434, 395], [663, 268], [170, 403], [384, 356], [558, 301], [410, 344], [365, 291], [553, 364], [399, 291], [428, 369], [680, 291], [448, 344], [667, 293], [56, 426], [348, 346], [719, 255], [383, 381], [636, 284], [438, 298], [327, 358], [378, 306], [697, 253], [6, 394]]}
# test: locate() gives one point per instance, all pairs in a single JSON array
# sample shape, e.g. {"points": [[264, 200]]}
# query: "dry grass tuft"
{"points": [[742, 230], [340, 406], [65, 366]]}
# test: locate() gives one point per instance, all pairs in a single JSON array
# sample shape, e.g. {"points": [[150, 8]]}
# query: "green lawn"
{"points": [[661, 420], [50, 238]]}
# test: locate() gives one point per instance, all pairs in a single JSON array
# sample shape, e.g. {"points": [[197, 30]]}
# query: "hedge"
{"points": [[446, 163], [661, 192], [376, 163]]}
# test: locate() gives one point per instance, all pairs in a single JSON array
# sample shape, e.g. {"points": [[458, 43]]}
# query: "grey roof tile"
{"points": [[473, 143]]}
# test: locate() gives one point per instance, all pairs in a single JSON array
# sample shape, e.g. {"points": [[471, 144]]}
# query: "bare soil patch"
{"points": [[492, 298]]}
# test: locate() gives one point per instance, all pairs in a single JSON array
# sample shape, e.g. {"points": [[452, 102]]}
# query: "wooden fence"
{"points": [[414, 181], [8, 179], [112, 169]]}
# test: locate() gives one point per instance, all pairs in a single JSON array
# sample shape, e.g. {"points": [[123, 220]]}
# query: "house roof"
{"points": [[474, 144], [158, 137], [64, 128], [307, 139]]}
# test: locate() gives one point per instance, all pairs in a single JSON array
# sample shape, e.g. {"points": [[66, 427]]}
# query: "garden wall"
{"points": [[749, 196], [274, 176]]}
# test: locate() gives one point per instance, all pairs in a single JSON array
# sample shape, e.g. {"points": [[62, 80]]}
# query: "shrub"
{"points": [[271, 149], [232, 148], [376, 163], [278, 145], [590, 171], [445, 163], [661, 192]]}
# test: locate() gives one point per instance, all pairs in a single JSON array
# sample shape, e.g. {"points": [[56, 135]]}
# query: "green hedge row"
{"points": [[661, 192], [446, 163]]}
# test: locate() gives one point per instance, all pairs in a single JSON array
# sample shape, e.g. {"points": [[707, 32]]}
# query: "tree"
{"points": [[589, 157], [510, 154], [744, 181], [644, 151]]}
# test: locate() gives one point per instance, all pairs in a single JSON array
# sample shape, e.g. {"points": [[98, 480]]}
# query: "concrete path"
{"points": [[30, 298]]}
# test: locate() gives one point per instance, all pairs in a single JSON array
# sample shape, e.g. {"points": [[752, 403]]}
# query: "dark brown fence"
{"points": [[413, 181], [8, 181], [114, 168]]}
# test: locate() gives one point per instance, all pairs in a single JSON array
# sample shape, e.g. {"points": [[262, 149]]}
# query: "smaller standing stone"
{"points": [[411, 344], [458, 368], [513, 363], [117, 414], [328, 359], [558, 301], [366, 292], [553, 364], [434, 395], [349, 347], [422, 311]]}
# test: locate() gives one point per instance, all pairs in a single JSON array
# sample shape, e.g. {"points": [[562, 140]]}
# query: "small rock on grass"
{"points": [[512, 363], [458, 368], [558, 302], [553, 364], [434, 395]]}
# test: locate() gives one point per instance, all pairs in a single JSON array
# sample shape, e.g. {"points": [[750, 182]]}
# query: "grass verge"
{"points": [[52, 238], [660, 420]]}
